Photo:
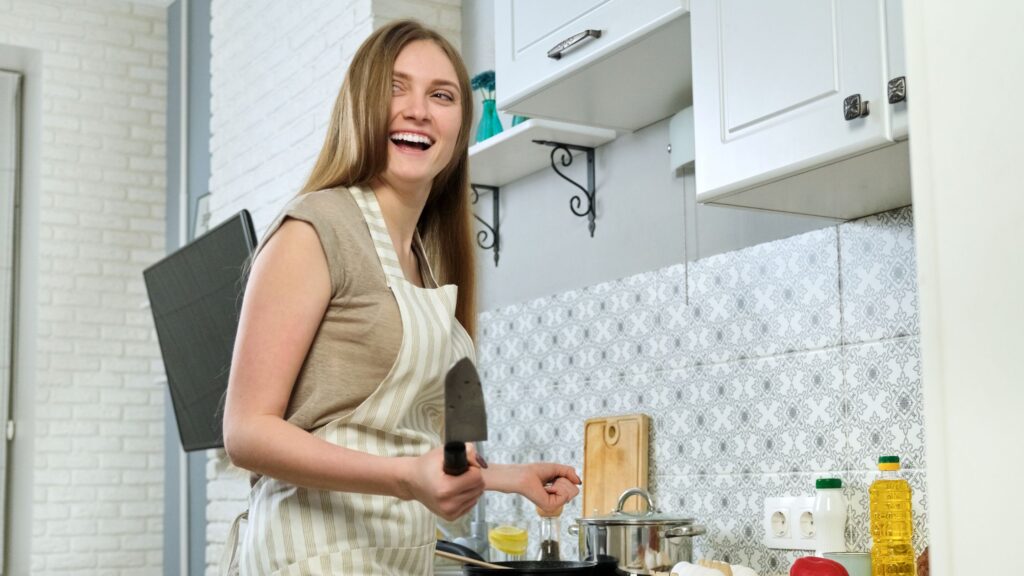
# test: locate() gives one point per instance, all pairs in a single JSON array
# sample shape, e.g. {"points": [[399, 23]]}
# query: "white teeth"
{"points": [[412, 137]]}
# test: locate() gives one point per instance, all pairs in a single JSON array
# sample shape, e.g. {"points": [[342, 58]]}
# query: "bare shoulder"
{"points": [[292, 258]]}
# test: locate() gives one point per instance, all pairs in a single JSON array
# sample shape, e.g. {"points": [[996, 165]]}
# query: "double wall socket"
{"points": [[789, 523]]}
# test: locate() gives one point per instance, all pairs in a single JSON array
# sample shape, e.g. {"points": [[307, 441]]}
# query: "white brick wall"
{"points": [[275, 71], [98, 478]]}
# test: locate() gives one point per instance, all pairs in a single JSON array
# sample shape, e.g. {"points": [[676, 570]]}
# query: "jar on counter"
{"points": [[829, 516], [508, 543]]}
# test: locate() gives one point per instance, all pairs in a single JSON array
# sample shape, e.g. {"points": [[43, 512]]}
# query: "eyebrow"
{"points": [[436, 82]]}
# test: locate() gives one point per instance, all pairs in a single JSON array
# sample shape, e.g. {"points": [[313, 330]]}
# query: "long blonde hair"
{"points": [[356, 150]]}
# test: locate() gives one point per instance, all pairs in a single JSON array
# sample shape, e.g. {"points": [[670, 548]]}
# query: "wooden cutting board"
{"points": [[614, 460]]}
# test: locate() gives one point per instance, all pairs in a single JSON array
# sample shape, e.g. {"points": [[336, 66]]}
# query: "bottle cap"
{"points": [[888, 463], [828, 483]]}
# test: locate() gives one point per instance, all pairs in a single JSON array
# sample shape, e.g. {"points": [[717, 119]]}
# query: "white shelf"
{"points": [[511, 155]]}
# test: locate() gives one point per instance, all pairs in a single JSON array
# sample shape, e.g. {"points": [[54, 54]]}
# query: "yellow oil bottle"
{"points": [[892, 528]]}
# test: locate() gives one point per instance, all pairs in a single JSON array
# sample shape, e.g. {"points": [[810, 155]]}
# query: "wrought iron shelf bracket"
{"points": [[489, 238], [590, 192]]}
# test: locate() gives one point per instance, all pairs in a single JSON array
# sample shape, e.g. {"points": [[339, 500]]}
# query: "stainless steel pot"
{"points": [[642, 542]]}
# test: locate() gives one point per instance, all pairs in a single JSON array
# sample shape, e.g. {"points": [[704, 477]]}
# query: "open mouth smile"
{"points": [[411, 140]]}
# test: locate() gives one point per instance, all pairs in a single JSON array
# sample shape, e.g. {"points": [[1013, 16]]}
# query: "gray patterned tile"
{"points": [[794, 404], [748, 393], [884, 403], [774, 298], [776, 414], [879, 277]]}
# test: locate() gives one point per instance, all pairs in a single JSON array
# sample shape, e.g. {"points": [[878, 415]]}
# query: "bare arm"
{"points": [[546, 484], [287, 295]]}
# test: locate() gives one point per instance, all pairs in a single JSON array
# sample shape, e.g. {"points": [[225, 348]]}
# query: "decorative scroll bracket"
{"points": [[590, 191], [490, 232]]}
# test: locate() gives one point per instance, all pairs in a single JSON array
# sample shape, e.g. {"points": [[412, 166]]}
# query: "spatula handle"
{"points": [[455, 462]]}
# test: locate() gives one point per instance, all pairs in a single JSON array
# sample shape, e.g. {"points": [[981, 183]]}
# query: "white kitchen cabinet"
{"points": [[771, 83], [896, 66], [618, 64]]}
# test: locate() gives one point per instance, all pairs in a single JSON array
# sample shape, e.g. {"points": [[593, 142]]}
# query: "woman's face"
{"points": [[425, 116]]}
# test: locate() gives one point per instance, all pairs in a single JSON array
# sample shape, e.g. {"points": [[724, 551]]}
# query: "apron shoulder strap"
{"points": [[367, 202]]}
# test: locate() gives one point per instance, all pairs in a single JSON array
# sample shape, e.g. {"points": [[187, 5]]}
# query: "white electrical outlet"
{"points": [[789, 523]]}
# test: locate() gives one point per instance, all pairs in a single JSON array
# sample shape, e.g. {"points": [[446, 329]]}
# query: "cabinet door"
{"points": [[769, 83], [526, 30], [896, 65]]}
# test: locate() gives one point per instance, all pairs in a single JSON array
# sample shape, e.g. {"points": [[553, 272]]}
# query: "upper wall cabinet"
{"points": [[792, 108], [618, 64]]}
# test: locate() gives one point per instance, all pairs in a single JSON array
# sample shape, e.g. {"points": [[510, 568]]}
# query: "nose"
{"points": [[416, 108]]}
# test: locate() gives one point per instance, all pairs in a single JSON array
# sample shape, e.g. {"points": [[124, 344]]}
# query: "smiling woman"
{"points": [[361, 295]]}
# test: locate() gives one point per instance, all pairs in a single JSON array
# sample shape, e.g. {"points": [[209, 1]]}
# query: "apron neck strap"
{"points": [[367, 202]]}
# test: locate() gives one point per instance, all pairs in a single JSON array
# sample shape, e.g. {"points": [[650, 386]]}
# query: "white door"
{"points": [[9, 115], [769, 83]]}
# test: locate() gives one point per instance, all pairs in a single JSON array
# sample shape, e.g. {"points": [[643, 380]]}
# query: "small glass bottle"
{"points": [[550, 548]]}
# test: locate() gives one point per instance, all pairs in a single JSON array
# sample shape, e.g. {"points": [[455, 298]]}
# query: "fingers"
{"points": [[569, 473], [564, 489], [474, 457], [447, 496], [563, 486], [556, 494], [460, 494]]}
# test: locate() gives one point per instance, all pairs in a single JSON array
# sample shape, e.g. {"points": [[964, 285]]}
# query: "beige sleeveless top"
{"points": [[361, 331]]}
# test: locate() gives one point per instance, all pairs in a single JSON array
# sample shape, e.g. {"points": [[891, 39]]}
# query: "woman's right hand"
{"points": [[447, 496]]}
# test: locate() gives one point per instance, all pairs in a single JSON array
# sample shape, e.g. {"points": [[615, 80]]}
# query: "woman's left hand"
{"points": [[546, 484]]}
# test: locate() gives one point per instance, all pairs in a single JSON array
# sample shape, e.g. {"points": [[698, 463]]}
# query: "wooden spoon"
{"points": [[466, 560]]}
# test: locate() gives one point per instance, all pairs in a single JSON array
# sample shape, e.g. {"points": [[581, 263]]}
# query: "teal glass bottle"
{"points": [[490, 124]]}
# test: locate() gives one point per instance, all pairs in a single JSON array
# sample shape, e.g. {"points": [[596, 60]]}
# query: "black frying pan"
{"points": [[525, 567], [546, 567]]}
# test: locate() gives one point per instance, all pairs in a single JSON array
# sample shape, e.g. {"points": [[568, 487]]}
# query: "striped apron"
{"points": [[297, 531]]}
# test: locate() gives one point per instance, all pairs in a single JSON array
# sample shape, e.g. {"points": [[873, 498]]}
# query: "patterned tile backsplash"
{"points": [[761, 370]]}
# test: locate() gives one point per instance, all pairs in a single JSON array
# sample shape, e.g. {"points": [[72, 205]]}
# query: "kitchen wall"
{"points": [[275, 71], [762, 369], [88, 453]]}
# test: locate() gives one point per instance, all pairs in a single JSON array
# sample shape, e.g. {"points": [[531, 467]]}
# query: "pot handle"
{"points": [[574, 529], [688, 530], [635, 492]]}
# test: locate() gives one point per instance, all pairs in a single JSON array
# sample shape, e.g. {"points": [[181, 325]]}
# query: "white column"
{"points": [[964, 83]]}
